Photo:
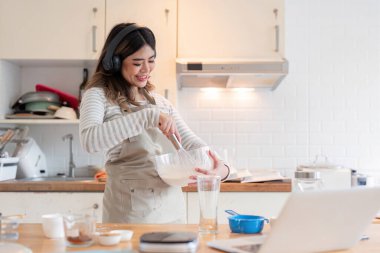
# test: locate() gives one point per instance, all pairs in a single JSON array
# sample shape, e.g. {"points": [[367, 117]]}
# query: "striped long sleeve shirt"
{"points": [[103, 126]]}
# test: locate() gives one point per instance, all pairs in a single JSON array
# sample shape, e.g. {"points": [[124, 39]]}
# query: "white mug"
{"points": [[52, 225]]}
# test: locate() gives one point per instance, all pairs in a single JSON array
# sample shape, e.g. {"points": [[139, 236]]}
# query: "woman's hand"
{"points": [[167, 125], [218, 169]]}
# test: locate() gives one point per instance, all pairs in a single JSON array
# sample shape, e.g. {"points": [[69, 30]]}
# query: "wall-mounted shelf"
{"points": [[39, 121]]}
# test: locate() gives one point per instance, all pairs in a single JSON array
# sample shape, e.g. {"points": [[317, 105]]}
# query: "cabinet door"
{"points": [[160, 17], [51, 29], [229, 28], [35, 204]]}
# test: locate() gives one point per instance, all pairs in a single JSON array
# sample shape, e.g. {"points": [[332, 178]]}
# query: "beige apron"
{"points": [[134, 192]]}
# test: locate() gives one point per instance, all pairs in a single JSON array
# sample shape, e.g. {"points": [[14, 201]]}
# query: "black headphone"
{"points": [[112, 63]]}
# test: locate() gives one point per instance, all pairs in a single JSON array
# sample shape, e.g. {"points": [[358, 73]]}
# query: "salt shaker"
{"points": [[307, 181]]}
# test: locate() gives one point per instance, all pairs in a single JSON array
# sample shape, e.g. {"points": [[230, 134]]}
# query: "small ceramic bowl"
{"points": [[126, 235], [108, 238], [65, 113]]}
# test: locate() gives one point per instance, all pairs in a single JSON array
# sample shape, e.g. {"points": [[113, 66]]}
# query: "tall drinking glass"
{"points": [[208, 192]]}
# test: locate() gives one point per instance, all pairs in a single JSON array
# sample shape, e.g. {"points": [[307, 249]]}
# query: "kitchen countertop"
{"points": [[31, 236], [95, 186]]}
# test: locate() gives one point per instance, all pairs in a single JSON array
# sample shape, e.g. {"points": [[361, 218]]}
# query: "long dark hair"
{"points": [[115, 87]]}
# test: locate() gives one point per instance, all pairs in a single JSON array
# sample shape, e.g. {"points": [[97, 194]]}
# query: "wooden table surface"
{"points": [[31, 236]]}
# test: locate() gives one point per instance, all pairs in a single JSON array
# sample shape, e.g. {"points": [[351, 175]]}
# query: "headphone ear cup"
{"points": [[116, 63]]}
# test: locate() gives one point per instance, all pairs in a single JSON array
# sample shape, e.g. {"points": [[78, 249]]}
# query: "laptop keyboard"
{"points": [[251, 248]]}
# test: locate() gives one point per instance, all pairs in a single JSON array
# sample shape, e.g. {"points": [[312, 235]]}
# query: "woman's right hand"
{"points": [[167, 125]]}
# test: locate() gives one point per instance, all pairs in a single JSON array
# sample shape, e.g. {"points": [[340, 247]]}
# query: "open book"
{"points": [[261, 175]]}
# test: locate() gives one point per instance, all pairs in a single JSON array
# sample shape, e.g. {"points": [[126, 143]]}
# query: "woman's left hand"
{"points": [[218, 169]]}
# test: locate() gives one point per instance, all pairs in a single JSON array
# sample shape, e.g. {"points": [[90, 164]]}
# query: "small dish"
{"points": [[109, 238], [65, 113], [126, 235]]}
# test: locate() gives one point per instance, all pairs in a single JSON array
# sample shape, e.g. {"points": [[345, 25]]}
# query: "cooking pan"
{"points": [[65, 97], [40, 96]]}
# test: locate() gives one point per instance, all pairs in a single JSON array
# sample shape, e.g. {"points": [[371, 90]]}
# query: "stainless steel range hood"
{"points": [[231, 73]]}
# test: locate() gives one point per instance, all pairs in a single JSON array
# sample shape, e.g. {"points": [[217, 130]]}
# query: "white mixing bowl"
{"points": [[176, 168]]}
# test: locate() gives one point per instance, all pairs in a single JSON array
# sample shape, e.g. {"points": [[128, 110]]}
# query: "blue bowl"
{"points": [[247, 224]]}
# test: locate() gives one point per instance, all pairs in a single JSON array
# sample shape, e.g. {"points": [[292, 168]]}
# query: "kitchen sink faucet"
{"points": [[71, 163]]}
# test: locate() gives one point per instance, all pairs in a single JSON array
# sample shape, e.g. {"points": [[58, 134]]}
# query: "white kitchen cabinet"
{"points": [[35, 204], [161, 18], [230, 28], [51, 29], [267, 204]]}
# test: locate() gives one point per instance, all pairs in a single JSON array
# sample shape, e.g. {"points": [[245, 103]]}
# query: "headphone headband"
{"points": [[107, 62]]}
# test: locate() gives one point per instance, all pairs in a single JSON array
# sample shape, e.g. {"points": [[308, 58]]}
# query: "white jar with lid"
{"points": [[333, 176], [307, 181]]}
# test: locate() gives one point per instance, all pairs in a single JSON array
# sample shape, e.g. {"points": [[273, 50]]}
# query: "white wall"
{"points": [[328, 104]]}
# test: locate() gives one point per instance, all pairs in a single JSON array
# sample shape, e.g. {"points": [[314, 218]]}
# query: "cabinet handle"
{"points": [[95, 206], [277, 32], [277, 42], [166, 93], [94, 27]]}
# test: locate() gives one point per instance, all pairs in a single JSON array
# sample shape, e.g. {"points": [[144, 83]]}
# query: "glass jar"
{"points": [[307, 181]]}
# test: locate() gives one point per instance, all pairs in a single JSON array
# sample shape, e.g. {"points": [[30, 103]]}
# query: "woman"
{"points": [[121, 114]]}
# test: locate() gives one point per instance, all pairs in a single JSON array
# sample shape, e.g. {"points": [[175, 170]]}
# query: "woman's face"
{"points": [[136, 68]]}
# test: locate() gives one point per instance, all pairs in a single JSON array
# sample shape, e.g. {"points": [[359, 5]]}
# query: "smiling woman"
{"points": [[121, 114]]}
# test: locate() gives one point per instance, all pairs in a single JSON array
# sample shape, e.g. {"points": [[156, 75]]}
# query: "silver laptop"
{"points": [[313, 222]]}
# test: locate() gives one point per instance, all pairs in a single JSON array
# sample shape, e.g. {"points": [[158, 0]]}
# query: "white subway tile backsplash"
{"points": [[260, 163], [248, 115], [374, 126], [223, 139], [207, 137], [296, 151], [210, 127], [200, 114], [194, 125], [247, 151], [320, 113], [296, 127], [253, 139], [229, 127], [362, 151], [369, 139], [333, 127], [272, 127], [334, 151], [272, 151], [284, 139], [227, 114], [285, 163], [357, 126], [302, 139], [320, 139], [345, 139]]}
